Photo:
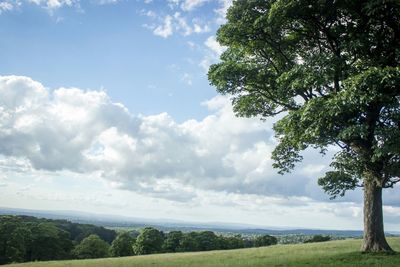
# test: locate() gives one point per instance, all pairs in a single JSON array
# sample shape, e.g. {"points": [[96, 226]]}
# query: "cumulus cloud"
{"points": [[174, 23], [188, 5], [212, 52], [54, 4], [165, 29], [50, 5], [106, 2], [6, 6], [221, 11], [86, 132]]}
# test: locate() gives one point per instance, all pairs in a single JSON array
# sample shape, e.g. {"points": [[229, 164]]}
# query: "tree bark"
{"points": [[374, 235]]}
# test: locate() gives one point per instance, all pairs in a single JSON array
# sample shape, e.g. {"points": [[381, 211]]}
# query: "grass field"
{"points": [[333, 253]]}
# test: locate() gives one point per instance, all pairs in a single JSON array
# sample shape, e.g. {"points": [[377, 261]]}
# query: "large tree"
{"points": [[149, 241], [331, 69], [92, 247], [122, 245]]}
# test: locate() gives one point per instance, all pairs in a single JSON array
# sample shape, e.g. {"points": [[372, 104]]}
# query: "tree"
{"points": [[149, 241], [331, 70], [92, 247], [318, 238], [172, 241], [207, 240], [189, 242], [231, 242], [48, 242], [14, 239], [265, 240], [122, 245]]}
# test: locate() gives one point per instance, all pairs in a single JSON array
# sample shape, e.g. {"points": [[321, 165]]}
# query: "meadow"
{"points": [[332, 253]]}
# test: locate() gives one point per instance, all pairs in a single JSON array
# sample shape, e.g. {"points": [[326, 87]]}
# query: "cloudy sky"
{"points": [[105, 107]]}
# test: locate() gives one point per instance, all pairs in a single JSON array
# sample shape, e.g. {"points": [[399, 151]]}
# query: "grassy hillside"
{"points": [[334, 253]]}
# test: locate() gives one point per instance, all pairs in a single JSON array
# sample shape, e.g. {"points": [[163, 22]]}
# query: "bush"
{"points": [[318, 238]]}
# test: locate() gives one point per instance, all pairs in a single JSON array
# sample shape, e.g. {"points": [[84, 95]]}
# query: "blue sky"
{"points": [[115, 47], [106, 108]]}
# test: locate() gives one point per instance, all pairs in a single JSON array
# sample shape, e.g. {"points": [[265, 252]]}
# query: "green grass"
{"points": [[333, 253]]}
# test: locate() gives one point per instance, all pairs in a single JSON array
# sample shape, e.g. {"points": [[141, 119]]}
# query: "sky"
{"points": [[105, 107]]}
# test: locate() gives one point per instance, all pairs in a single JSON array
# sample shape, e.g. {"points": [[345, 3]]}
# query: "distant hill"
{"points": [[112, 221]]}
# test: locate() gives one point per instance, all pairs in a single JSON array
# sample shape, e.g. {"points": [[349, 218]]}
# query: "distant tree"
{"points": [[207, 240], [85, 230], [231, 242], [77, 231], [15, 239], [48, 242], [248, 242], [122, 245], [265, 240], [172, 241], [318, 238], [149, 241], [331, 69], [189, 242], [92, 247]]}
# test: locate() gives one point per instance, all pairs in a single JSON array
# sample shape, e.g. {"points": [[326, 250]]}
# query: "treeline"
{"points": [[26, 238], [150, 241]]}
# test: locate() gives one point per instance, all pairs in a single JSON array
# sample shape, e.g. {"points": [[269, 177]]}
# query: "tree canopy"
{"points": [[122, 245], [149, 241], [331, 69], [92, 247]]}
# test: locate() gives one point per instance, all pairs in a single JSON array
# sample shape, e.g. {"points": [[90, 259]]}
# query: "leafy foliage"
{"points": [[265, 240], [15, 238], [331, 68], [92, 247], [26, 238], [48, 242], [149, 241], [318, 238], [172, 241], [122, 245]]}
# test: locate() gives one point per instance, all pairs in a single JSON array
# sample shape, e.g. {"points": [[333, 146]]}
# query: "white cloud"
{"points": [[6, 6], [106, 2], [166, 29], [50, 5], [68, 129], [212, 52], [174, 23], [187, 78], [84, 131], [198, 28], [214, 46], [149, 13], [54, 4], [188, 5], [221, 11], [182, 25]]}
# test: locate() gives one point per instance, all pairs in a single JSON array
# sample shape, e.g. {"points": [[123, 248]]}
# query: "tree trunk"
{"points": [[374, 235]]}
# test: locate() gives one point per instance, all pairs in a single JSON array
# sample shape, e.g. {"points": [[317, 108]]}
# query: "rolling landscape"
{"points": [[333, 253], [199, 133], [121, 222]]}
